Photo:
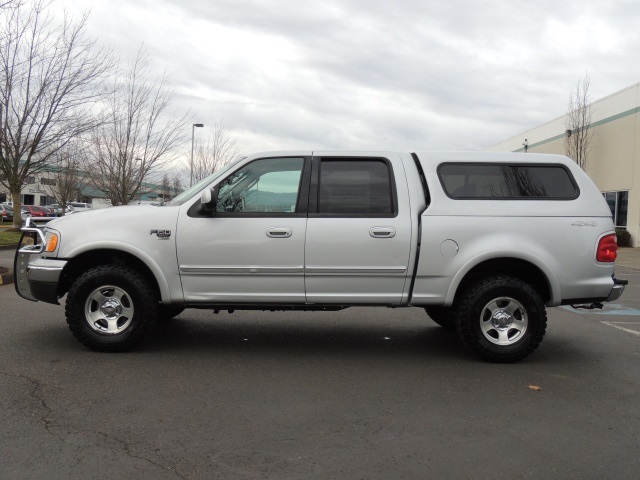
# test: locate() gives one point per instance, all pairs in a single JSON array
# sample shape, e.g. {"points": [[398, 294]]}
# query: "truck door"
{"points": [[251, 249], [358, 230]]}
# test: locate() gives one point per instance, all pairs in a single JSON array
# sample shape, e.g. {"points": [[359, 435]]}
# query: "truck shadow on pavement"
{"points": [[427, 341], [288, 336], [294, 335]]}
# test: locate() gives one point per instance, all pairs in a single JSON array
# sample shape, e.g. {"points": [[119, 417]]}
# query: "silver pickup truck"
{"points": [[482, 241]]}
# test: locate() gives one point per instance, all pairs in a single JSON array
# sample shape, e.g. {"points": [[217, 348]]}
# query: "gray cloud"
{"points": [[360, 74]]}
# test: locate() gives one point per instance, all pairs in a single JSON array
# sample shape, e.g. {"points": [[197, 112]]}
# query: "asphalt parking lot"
{"points": [[363, 393]]}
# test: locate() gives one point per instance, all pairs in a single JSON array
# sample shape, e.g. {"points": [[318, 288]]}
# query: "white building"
{"points": [[40, 191], [613, 161]]}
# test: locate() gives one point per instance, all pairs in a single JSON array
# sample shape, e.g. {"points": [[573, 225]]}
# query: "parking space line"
{"points": [[628, 330], [608, 309]]}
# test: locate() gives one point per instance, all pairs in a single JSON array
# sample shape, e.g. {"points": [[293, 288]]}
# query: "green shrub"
{"points": [[9, 238], [624, 237]]}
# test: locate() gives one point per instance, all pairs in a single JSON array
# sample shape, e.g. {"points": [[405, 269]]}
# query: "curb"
{"points": [[6, 278]]}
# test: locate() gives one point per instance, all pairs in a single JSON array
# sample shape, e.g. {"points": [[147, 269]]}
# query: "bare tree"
{"points": [[219, 149], [67, 176], [137, 138], [50, 77], [177, 185], [7, 4], [166, 188], [578, 124]]}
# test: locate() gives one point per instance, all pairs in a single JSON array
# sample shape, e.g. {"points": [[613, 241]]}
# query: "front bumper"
{"points": [[35, 277]]}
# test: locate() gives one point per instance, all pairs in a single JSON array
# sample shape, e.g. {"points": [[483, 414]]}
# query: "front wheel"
{"points": [[502, 319], [111, 308]]}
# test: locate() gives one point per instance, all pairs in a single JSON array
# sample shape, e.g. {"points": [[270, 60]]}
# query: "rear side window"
{"points": [[505, 181], [355, 187]]}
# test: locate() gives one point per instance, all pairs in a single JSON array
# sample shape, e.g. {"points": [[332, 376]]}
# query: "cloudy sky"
{"points": [[371, 74]]}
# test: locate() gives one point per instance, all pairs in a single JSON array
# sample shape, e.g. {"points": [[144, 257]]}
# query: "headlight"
{"points": [[50, 242]]}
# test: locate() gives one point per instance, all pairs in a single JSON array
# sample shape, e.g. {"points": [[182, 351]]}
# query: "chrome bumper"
{"points": [[36, 278], [618, 288]]}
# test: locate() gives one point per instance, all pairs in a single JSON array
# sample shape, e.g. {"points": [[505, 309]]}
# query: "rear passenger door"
{"points": [[358, 230]]}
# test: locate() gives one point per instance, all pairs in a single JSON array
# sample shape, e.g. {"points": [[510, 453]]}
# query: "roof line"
{"points": [[610, 119]]}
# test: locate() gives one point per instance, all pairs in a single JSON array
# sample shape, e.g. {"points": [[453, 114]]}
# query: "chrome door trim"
{"points": [[312, 270], [250, 270]]}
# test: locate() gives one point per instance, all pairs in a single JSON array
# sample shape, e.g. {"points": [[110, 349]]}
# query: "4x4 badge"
{"points": [[161, 234]]}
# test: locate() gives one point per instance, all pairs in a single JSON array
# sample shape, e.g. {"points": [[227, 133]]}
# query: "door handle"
{"points": [[279, 232], [382, 232]]}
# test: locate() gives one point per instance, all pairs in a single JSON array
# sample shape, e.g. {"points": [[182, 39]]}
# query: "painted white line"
{"points": [[611, 309], [617, 325]]}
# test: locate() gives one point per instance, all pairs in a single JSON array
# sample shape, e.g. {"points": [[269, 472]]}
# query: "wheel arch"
{"points": [[531, 271], [111, 256]]}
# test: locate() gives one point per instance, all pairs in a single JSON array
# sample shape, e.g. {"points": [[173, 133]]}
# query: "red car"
{"points": [[32, 210]]}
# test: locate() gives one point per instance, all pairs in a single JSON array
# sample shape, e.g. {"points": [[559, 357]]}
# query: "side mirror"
{"points": [[209, 199]]}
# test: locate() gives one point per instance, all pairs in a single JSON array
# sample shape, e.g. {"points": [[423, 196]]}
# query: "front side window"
{"points": [[503, 181], [355, 187], [268, 185]]}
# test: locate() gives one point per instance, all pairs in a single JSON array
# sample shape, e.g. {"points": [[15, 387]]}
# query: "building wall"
{"points": [[613, 162], [38, 193]]}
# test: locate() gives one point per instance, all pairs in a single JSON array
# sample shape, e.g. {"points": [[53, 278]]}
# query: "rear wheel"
{"points": [[111, 308], [502, 319], [443, 316]]}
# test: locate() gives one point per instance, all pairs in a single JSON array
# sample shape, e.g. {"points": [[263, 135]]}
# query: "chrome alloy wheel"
{"points": [[109, 310], [503, 321]]}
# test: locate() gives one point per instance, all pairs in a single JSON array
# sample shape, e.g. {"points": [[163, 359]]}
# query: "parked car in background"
{"points": [[57, 209], [48, 211], [6, 213], [32, 211], [77, 207]]}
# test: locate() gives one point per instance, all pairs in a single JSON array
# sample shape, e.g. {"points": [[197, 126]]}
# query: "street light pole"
{"points": [[193, 129]]}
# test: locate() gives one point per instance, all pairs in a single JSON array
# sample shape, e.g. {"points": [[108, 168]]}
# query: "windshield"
{"points": [[189, 193]]}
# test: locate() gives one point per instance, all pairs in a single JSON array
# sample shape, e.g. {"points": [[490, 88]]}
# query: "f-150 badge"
{"points": [[161, 234]]}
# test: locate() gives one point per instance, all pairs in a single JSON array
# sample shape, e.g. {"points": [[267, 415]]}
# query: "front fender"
{"points": [[164, 284]]}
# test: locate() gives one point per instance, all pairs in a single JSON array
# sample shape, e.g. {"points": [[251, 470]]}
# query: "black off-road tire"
{"points": [[489, 304], [133, 292], [443, 316]]}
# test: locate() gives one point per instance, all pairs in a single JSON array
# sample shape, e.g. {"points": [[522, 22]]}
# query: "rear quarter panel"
{"points": [[560, 237], [558, 246]]}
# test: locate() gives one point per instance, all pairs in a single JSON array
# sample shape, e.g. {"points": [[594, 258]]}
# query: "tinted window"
{"points": [[355, 187], [621, 210], [267, 185], [501, 181], [618, 203]]}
